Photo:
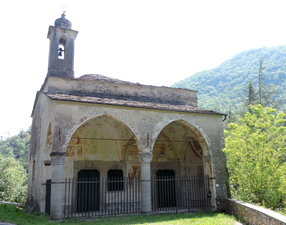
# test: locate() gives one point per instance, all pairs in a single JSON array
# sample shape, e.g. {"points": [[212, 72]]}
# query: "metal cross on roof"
{"points": [[64, 7]]}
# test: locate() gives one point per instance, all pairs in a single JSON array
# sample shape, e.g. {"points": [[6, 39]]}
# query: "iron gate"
{"points": [[180, 192], [102, 196], [90, 197]]}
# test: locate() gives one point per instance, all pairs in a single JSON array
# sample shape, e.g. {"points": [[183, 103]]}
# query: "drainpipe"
{"points": [[224, 117]]}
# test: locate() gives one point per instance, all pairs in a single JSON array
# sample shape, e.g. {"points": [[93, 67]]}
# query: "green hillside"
{"points": [[224, 85]]}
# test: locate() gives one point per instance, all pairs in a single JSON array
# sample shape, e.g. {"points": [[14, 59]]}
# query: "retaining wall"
{"points": [[250, 213]]}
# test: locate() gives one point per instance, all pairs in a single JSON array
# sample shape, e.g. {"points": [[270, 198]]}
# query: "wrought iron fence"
{"points": [[180, 192], [111, 196], [99, 197]]}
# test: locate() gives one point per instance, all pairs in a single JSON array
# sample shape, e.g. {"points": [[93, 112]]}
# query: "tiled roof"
{"points": [[128, 103], [98, 77]]}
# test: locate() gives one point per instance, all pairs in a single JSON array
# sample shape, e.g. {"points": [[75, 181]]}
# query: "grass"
{"points": [[13, 214]]}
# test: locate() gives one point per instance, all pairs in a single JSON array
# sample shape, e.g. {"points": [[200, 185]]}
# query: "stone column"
{"points": [[146, 183], [56, 210]]}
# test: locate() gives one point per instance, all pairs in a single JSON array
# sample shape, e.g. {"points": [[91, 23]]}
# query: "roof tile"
{"points": [[128, 103]]}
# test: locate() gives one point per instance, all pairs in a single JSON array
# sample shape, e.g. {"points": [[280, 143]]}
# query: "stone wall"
{"points": [[144, 93], [250, 213]]}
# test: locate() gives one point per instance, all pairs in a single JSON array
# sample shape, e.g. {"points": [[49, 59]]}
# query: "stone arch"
{"points": [[99, 142], [84, 119], [192, 143], [203, 138], [102, 131], [62, 47]]}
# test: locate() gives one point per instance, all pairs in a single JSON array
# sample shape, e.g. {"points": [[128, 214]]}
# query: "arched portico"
{"points": [[98, 114], [99, 143], [184, 148], [103, 142], [187, 122]]}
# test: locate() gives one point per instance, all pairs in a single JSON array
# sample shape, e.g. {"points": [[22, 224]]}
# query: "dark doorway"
{"points": [[166, 189], [115, 178], [88, 191], [48, 197]]}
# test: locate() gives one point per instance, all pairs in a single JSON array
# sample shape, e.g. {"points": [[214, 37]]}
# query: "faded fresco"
{"points": [[131, 156], [103, 139], [180, 143]]}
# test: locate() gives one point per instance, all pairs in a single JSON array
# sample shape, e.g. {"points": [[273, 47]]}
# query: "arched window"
{"points": [[61, 49]]}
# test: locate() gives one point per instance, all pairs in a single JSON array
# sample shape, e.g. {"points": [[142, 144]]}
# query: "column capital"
{"points": [[58, 157], [145, 158]]}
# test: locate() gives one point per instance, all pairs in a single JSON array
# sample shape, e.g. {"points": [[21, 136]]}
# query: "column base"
{"points": [[146, 213], [60, 220]]}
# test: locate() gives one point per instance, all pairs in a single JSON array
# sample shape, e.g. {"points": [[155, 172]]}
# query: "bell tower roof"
{"points": [[63, 22]]}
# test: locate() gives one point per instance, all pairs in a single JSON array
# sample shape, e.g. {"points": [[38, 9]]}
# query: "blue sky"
{"points": [[155, 42]]}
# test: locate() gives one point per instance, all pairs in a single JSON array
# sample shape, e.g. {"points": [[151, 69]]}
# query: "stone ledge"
{"points": [[251, 213]]}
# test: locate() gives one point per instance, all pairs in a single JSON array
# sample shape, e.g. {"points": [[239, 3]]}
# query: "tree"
{"points": [[255, 149], [13, 181], [265, 92], [17, 147], [231, 117], [251, 95]]}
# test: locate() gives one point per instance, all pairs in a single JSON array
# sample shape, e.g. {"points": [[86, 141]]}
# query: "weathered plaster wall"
{"points": [[123, 91], [40, 149], [149, 123], [104, 139], [59, 126], [214, 130]]}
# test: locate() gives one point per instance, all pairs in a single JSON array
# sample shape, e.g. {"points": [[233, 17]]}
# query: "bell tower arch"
{"points": [[61, 53]]}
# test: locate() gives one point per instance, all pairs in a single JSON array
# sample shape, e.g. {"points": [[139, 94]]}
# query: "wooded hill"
{"points": [[223, 87], [17, 147]]}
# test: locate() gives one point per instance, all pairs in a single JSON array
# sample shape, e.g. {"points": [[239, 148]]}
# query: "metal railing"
{"points": [[180, 192], [112, 196], [99, 197]]}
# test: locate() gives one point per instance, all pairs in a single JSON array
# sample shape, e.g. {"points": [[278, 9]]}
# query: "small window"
{"points": [[61, 52], [61, 49], [115, 180]]}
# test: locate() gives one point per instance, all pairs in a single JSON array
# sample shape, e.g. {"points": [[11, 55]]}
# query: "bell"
{"points": [[60, 53]]}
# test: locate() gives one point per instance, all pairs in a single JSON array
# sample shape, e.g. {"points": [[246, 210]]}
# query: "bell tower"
{"points": [[61, 54]]}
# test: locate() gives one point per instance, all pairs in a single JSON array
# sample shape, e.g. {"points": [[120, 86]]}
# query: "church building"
{"points": [[102, 128]]}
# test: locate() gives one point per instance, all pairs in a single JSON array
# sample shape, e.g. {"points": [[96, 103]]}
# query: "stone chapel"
{"points": [[99, 125]]}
